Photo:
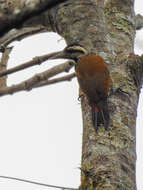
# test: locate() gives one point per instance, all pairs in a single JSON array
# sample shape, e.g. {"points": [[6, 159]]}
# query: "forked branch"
{"points": [[19, 34], [40, 78]]}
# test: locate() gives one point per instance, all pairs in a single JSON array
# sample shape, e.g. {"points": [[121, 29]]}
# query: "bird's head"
{"points": [[71, 52]]}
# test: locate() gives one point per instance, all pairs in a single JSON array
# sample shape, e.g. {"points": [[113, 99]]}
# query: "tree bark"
{"points": [[13, 13], [107, 28]]}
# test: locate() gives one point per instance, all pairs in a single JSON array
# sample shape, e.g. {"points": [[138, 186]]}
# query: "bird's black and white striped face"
{"points": [[71, 52], [75, 51]]}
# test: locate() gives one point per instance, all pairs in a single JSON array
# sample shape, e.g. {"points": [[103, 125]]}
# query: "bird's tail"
{"points": [[100, 115]]}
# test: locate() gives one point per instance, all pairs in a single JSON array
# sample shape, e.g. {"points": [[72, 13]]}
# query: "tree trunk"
{"points": [[107, 28]]}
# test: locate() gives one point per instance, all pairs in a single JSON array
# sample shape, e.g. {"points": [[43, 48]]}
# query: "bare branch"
{"points": [[3, 65], [17, 35], [34, 61], [33, 81], [68, 77], [14, 13], [139, 21], [37, 183]]}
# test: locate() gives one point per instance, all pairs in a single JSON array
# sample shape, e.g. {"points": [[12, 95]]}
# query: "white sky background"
{"points": [[41, 130]]}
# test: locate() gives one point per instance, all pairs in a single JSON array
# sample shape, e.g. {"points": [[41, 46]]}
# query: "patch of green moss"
{"points": [[110, 10], [122, 23], [119, 20], [97, 180], [118, 78]]}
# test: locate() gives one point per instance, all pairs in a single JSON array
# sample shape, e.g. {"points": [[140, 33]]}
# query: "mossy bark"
{"points": [[106, 28]]}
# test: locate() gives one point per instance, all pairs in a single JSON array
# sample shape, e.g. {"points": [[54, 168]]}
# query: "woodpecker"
{"points": [[94, 80]]}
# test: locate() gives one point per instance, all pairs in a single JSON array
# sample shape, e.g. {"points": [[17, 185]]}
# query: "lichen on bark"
{"points": [[107, 28]]}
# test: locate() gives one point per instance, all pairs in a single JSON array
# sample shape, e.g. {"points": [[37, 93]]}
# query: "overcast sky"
{"points": [[30, 147]]}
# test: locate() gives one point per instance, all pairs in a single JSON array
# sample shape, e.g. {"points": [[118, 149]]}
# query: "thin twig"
{"points": [[36, 183], [34, 61]]}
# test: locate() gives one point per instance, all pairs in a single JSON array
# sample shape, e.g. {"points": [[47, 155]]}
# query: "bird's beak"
{"points": [[58, 55]]}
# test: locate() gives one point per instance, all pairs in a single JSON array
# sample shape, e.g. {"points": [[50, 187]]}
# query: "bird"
{"points": [[94, 81]]}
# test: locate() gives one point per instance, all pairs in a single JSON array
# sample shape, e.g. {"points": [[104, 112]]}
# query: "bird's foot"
{"points": [[120, 93], [80, 97]]}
